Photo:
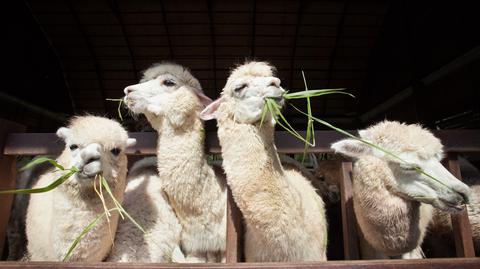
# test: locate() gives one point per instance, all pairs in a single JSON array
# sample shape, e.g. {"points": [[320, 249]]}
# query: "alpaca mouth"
{"points": [[452, 205], [90, 170], [278, 99]]}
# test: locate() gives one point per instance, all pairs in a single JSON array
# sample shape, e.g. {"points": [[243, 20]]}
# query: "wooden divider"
{"points": [[462, 231], [8, 173], [349, 224]]}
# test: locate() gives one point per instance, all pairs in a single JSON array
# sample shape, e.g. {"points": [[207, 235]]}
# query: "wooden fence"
{"points": [[14, 143]]}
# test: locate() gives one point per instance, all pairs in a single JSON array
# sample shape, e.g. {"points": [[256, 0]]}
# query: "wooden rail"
{"points": [[13, 143]]}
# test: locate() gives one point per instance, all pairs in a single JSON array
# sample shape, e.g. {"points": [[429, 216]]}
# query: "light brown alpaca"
{"points": [[392, 200]]}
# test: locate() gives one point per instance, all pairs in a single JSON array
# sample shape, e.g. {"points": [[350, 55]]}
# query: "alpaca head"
{"points": [[95, 145], [420, 149], [165, 86], [243, 97]]}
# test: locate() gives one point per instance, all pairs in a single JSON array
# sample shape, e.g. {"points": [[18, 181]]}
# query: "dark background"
{"points": [[414, 61]]}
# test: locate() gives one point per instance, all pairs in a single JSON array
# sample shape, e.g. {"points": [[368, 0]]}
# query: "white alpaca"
{"points": [[148, 205], [285, 218], [54, 219], [392, 201], [171, 99], [440, 238]]}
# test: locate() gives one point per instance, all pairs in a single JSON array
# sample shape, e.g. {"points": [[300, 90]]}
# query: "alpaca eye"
{"points": [[272, 84], [239, 88], [116, 151], [168, 83], [73, 147]]}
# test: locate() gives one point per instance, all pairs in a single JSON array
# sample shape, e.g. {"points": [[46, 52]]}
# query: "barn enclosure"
{"points": [[410, 61]]}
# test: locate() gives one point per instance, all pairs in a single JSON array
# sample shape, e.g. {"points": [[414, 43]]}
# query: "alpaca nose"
{"points": [[274, 82], [92, 159], [128, 90]]}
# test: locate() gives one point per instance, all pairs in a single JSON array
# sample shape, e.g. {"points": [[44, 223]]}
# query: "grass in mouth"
{"points": [[102, 184], [272, 107], [119, 108]]}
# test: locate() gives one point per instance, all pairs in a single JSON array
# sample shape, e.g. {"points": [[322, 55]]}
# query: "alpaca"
{"points": [[284, 217], [392, 201], [439, 241], [148, 205], [171, 99], [54, 219]]}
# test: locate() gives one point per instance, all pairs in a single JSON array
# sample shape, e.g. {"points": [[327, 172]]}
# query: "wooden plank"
{"points": [[234, 244], [462, 231], [460, 263], [48, 144], [8, 171], [349, 227], [234, 251]]}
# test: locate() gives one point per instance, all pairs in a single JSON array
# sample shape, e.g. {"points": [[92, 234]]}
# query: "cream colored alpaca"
{"points": [[171, 99], [148, 205], [440, 237], [285, 218], [392, 201], [54, 219]]}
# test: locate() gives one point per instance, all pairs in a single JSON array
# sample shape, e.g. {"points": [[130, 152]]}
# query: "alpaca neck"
{"points": [[181, 159], [252, 166]]}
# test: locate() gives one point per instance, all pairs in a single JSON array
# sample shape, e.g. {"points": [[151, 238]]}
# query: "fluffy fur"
{"points": [[148, 205], [390, 197], [171, 99], [284, 217], [56, 218]]}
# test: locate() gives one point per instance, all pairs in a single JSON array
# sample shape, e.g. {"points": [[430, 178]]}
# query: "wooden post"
{"points": [[349, 223], [8, 172], [462, 231], [234, 252]]}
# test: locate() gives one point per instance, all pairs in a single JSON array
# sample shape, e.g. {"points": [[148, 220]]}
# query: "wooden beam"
{"points": [[349, 223], [460, 263], [462, 231], [460, 141], [234, 249], [8, 172]]}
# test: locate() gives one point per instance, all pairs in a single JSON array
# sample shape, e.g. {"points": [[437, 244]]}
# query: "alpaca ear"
{"points": [[351, 147], [202, 97], [131, 142], [363, 133], [209, 112], [63, 132]]}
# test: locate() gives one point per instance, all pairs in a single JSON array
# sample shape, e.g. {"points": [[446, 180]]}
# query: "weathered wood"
{"points": [[462, 231], [48, 144], [349, 227], [8, 173], [234, 251], [455, 263]]}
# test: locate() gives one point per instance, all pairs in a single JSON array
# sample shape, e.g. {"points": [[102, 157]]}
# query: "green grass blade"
{"points": [[50, 187], [84, 232], [119, 206], [264, 114], [41, 160], [310, 127], [314, 93], [274, 110], [418, 169], [119, 108]]}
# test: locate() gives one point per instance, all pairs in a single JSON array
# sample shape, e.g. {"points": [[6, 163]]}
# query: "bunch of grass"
{"points": [[119, 108]]}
